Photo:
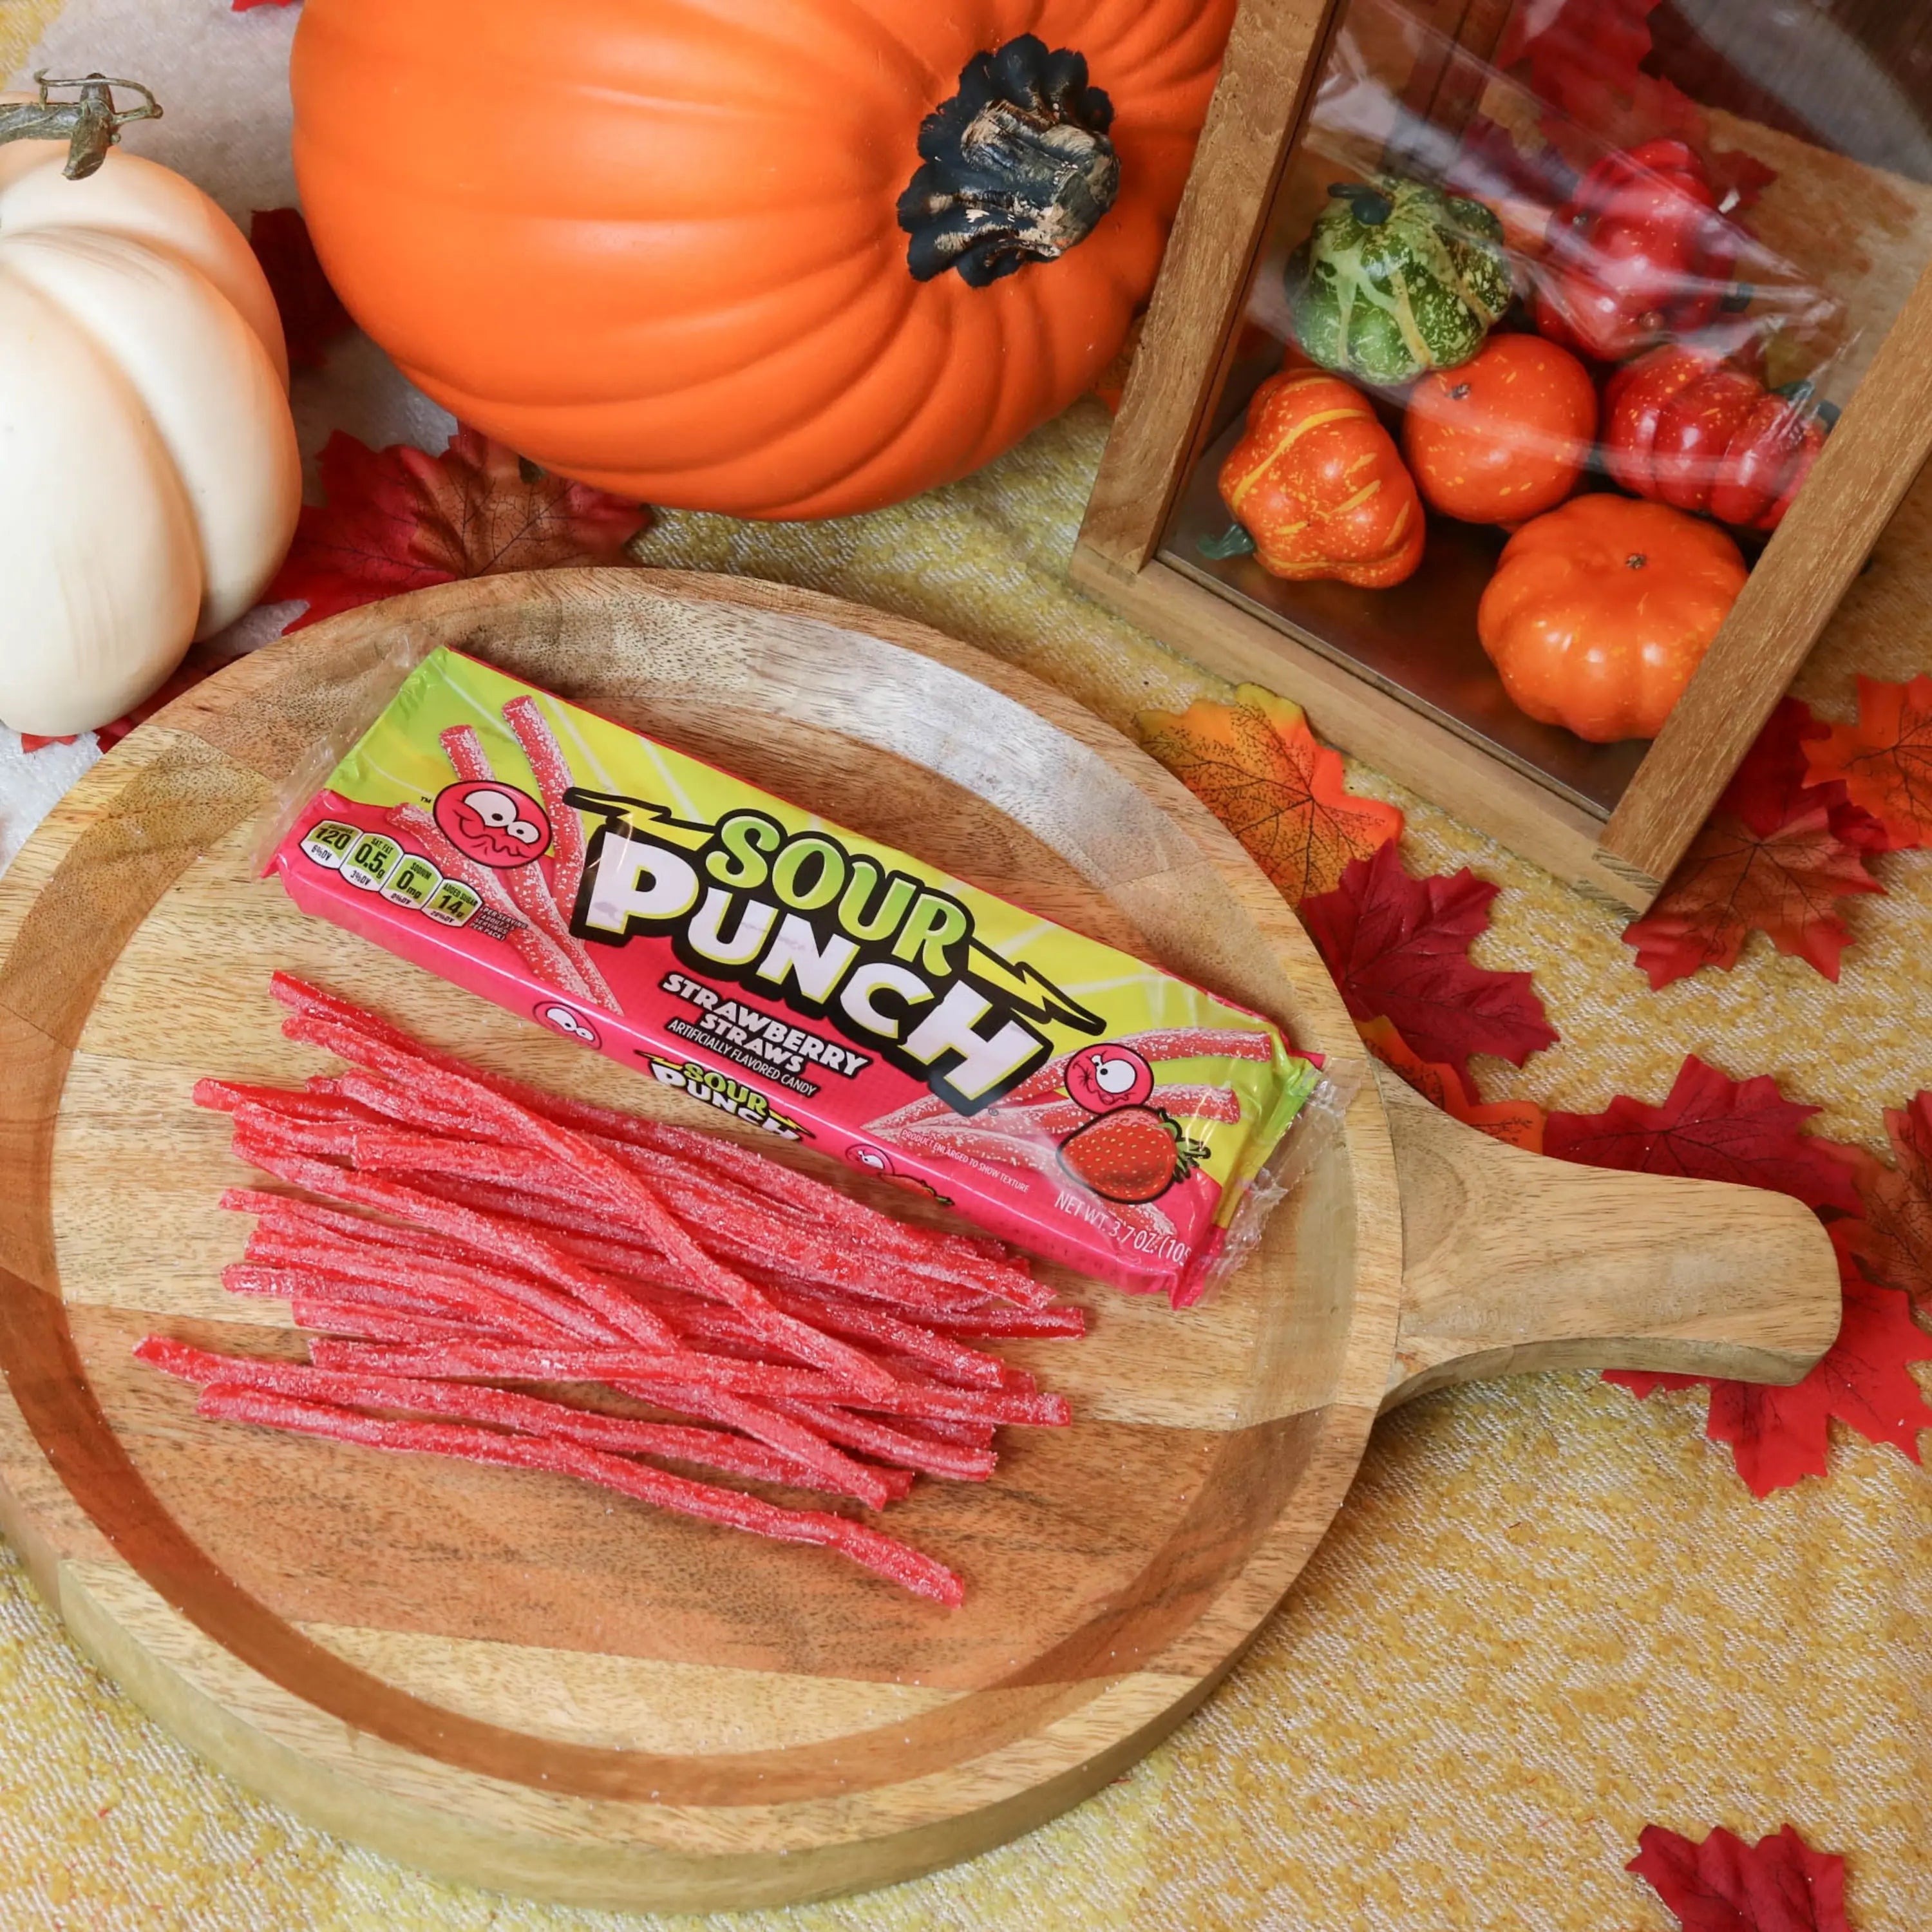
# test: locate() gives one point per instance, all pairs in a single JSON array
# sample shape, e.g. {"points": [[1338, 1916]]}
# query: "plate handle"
{"points": [[1512, 1261]]}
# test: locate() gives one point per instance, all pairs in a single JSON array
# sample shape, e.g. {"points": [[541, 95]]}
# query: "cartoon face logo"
{"points": [[1101, 1079], [567, 1020], [875, 1159], [494, 823]]}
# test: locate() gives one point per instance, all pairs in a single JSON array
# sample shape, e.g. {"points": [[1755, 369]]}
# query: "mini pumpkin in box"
{"points": [[1396, 278], [1505, 436], [1317, 489], [778, 262], [1599, 613], [1687, 430]]}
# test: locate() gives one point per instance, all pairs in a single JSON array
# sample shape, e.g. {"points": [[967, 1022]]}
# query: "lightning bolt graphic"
{"points": [[1020, 985], [638, 814], [1026, 989]]}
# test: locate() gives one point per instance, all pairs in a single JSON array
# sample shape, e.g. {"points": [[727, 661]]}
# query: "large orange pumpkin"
{"points": [[790, 258], [1599, 612], [1316, 482]]}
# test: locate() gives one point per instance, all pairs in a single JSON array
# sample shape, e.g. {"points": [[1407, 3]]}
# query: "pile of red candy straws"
{"points": [[464, 1241]]}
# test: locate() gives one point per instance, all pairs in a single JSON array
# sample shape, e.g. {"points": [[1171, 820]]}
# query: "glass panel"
{"points": [[1604, 282]]}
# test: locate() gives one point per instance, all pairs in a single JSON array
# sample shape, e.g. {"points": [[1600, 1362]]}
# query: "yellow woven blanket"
{"points": [[1548, 1614]]}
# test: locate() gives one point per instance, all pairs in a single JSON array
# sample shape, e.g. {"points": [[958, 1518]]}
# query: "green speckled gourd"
{"points": [[1397, 278]]}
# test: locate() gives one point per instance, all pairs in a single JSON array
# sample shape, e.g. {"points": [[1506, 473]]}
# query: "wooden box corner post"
{"points": [[1186, 348]]}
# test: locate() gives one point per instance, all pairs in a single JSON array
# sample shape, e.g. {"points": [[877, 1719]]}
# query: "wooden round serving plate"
{"points": [[511, 1678]]}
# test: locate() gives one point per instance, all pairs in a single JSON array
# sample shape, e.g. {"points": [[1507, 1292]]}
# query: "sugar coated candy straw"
{"points": [[486, 1272]]}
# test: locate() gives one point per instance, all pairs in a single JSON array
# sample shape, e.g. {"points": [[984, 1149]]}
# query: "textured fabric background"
{"points": [[1548, 1615]]}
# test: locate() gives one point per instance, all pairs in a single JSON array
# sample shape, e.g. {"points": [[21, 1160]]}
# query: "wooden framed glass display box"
{"points": [[1810, 123]]}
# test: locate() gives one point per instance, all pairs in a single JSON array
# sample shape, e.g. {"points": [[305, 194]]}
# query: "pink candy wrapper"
{"points": [[807, 982]]}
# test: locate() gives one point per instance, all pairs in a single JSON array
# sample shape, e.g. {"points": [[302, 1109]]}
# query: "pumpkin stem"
{"points": [[1015, 167], [1233, 541], [90, 125], [1801, 394], [1369, 206]]}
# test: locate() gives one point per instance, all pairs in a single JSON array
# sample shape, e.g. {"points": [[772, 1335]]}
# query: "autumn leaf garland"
{"points": [[1398, 948]]}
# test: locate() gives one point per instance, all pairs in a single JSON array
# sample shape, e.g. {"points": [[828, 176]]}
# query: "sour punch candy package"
{"points": [[810, 983]]}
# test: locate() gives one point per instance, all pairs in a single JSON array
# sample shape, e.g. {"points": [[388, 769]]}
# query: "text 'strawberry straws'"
{"points": [[807, 981], [530, 1242]]}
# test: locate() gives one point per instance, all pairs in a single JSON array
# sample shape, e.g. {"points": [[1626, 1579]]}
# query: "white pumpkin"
{"points": [[149, 479]]}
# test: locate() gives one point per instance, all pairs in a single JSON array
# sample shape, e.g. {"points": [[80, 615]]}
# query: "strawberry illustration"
{"points": [[1133, 1153]]}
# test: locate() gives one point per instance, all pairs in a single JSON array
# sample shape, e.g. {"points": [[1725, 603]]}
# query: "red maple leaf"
{"points": [[1585, 64], [1398, 948], [1712, 1128], [1724, 1885], [1779, 1436], [1733, 882], [1774, 785], [1894, 1239], [1777, 854], [398, 519], [311, 311], [1884, 761]]}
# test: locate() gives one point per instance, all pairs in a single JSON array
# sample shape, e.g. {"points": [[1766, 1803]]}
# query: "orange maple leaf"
{"points": [[1885, 759], [1517, 1122], [1257, 767], [1784, 884]]}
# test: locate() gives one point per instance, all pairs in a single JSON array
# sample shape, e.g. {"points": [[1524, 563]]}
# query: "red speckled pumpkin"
{"points": [[1318, 484], [1599, 612], [1504, 436], [1699, 434], [793, 258]]}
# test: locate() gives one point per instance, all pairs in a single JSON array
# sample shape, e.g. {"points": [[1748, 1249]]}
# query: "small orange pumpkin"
{"points": [[1599, 613], [789, 260], [1504, 436], [1317, 483]]}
